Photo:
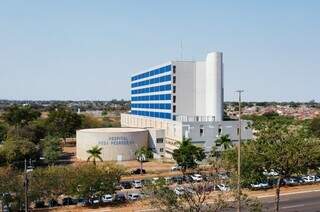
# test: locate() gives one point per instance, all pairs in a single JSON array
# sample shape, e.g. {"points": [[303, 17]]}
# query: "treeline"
{"points": [[311, 103], [82, 181], [26, 134], [44, 105]]}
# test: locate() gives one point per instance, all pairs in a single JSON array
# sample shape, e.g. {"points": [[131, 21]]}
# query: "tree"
{"points": [[19, 149], [94, 153], [10, 183], [94, 180], [187, 155], [224, 141], [315, 126], [20, 115], [285, 149], [51, 149], [3, 132], [142, 155], [63, 122], [192, 197], [51, 182]]}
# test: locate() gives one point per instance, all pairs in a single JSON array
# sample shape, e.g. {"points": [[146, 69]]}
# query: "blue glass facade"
{"points": [[151, 93]]}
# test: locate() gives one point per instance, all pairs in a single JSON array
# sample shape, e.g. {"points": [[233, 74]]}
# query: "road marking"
{"points": [[293, 206]]}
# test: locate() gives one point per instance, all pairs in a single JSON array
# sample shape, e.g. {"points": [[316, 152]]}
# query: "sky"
{"points": [[87, 50]]}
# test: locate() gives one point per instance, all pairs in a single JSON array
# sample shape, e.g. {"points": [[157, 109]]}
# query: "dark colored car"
{"points": [[120, 197], [40, 204], [82, 202], [68, 201], [126, 185], [187, 178], [53, 203], [177, 179], [138, 171]]}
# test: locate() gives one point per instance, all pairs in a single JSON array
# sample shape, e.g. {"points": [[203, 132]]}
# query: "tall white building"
{"points": [[180, 89], [182, 99]]}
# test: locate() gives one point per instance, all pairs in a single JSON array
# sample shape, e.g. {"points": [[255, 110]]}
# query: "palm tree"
{"points": [[142, 155], [94, 153], [224, 141]]}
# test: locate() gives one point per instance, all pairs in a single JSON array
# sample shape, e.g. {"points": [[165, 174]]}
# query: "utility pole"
{"points": [[26, 184], [239, 153]]}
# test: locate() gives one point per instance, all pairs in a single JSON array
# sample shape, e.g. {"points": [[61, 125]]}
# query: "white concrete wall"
{"points": [[185, 87], [200, 88], [214, 85], [115, 143]]}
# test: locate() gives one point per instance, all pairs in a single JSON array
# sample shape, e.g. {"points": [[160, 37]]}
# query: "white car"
{"points": [[107, 198], [137, 184], [179, 190], [223, 176], [290, 181], [175, 168], [271, 173], [223, 187], [309, 179], [196, 177], [134, 196], [260, 185]]}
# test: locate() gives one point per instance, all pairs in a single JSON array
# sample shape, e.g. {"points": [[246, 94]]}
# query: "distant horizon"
{"points": [[226, 101]]}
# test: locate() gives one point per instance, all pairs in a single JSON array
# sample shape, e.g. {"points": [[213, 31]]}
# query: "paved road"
{"points": [[302, 202]]}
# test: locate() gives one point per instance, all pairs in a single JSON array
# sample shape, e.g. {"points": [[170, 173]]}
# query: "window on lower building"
{"points": [[159, 140], [219, 131], [174, 69], [174, 89], [161, 150], [174, 99], [201, 130], [174, 108], [174, 79]]}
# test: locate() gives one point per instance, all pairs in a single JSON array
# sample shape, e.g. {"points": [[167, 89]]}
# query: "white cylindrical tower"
{"points": [[214, 85]]}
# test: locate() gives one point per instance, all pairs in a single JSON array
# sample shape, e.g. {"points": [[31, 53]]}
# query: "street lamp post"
{"points": [[239, 151], [26, 184]]}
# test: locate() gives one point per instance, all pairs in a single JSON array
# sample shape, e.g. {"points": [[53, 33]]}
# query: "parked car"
{"points": [[271, 173], [68, 201], [53, 203], [177, 179], [196, 177], [82, 202], [40, 204], [187, 178], [223, 187], [134, 196], [260, 185], [137, 184], [309, 179], [179, 190], [138, 171], [223, 176], [120, 197], [94, 200], [290, 181], [317, 178], [107, 198], [126, 184], [175, 168]]}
